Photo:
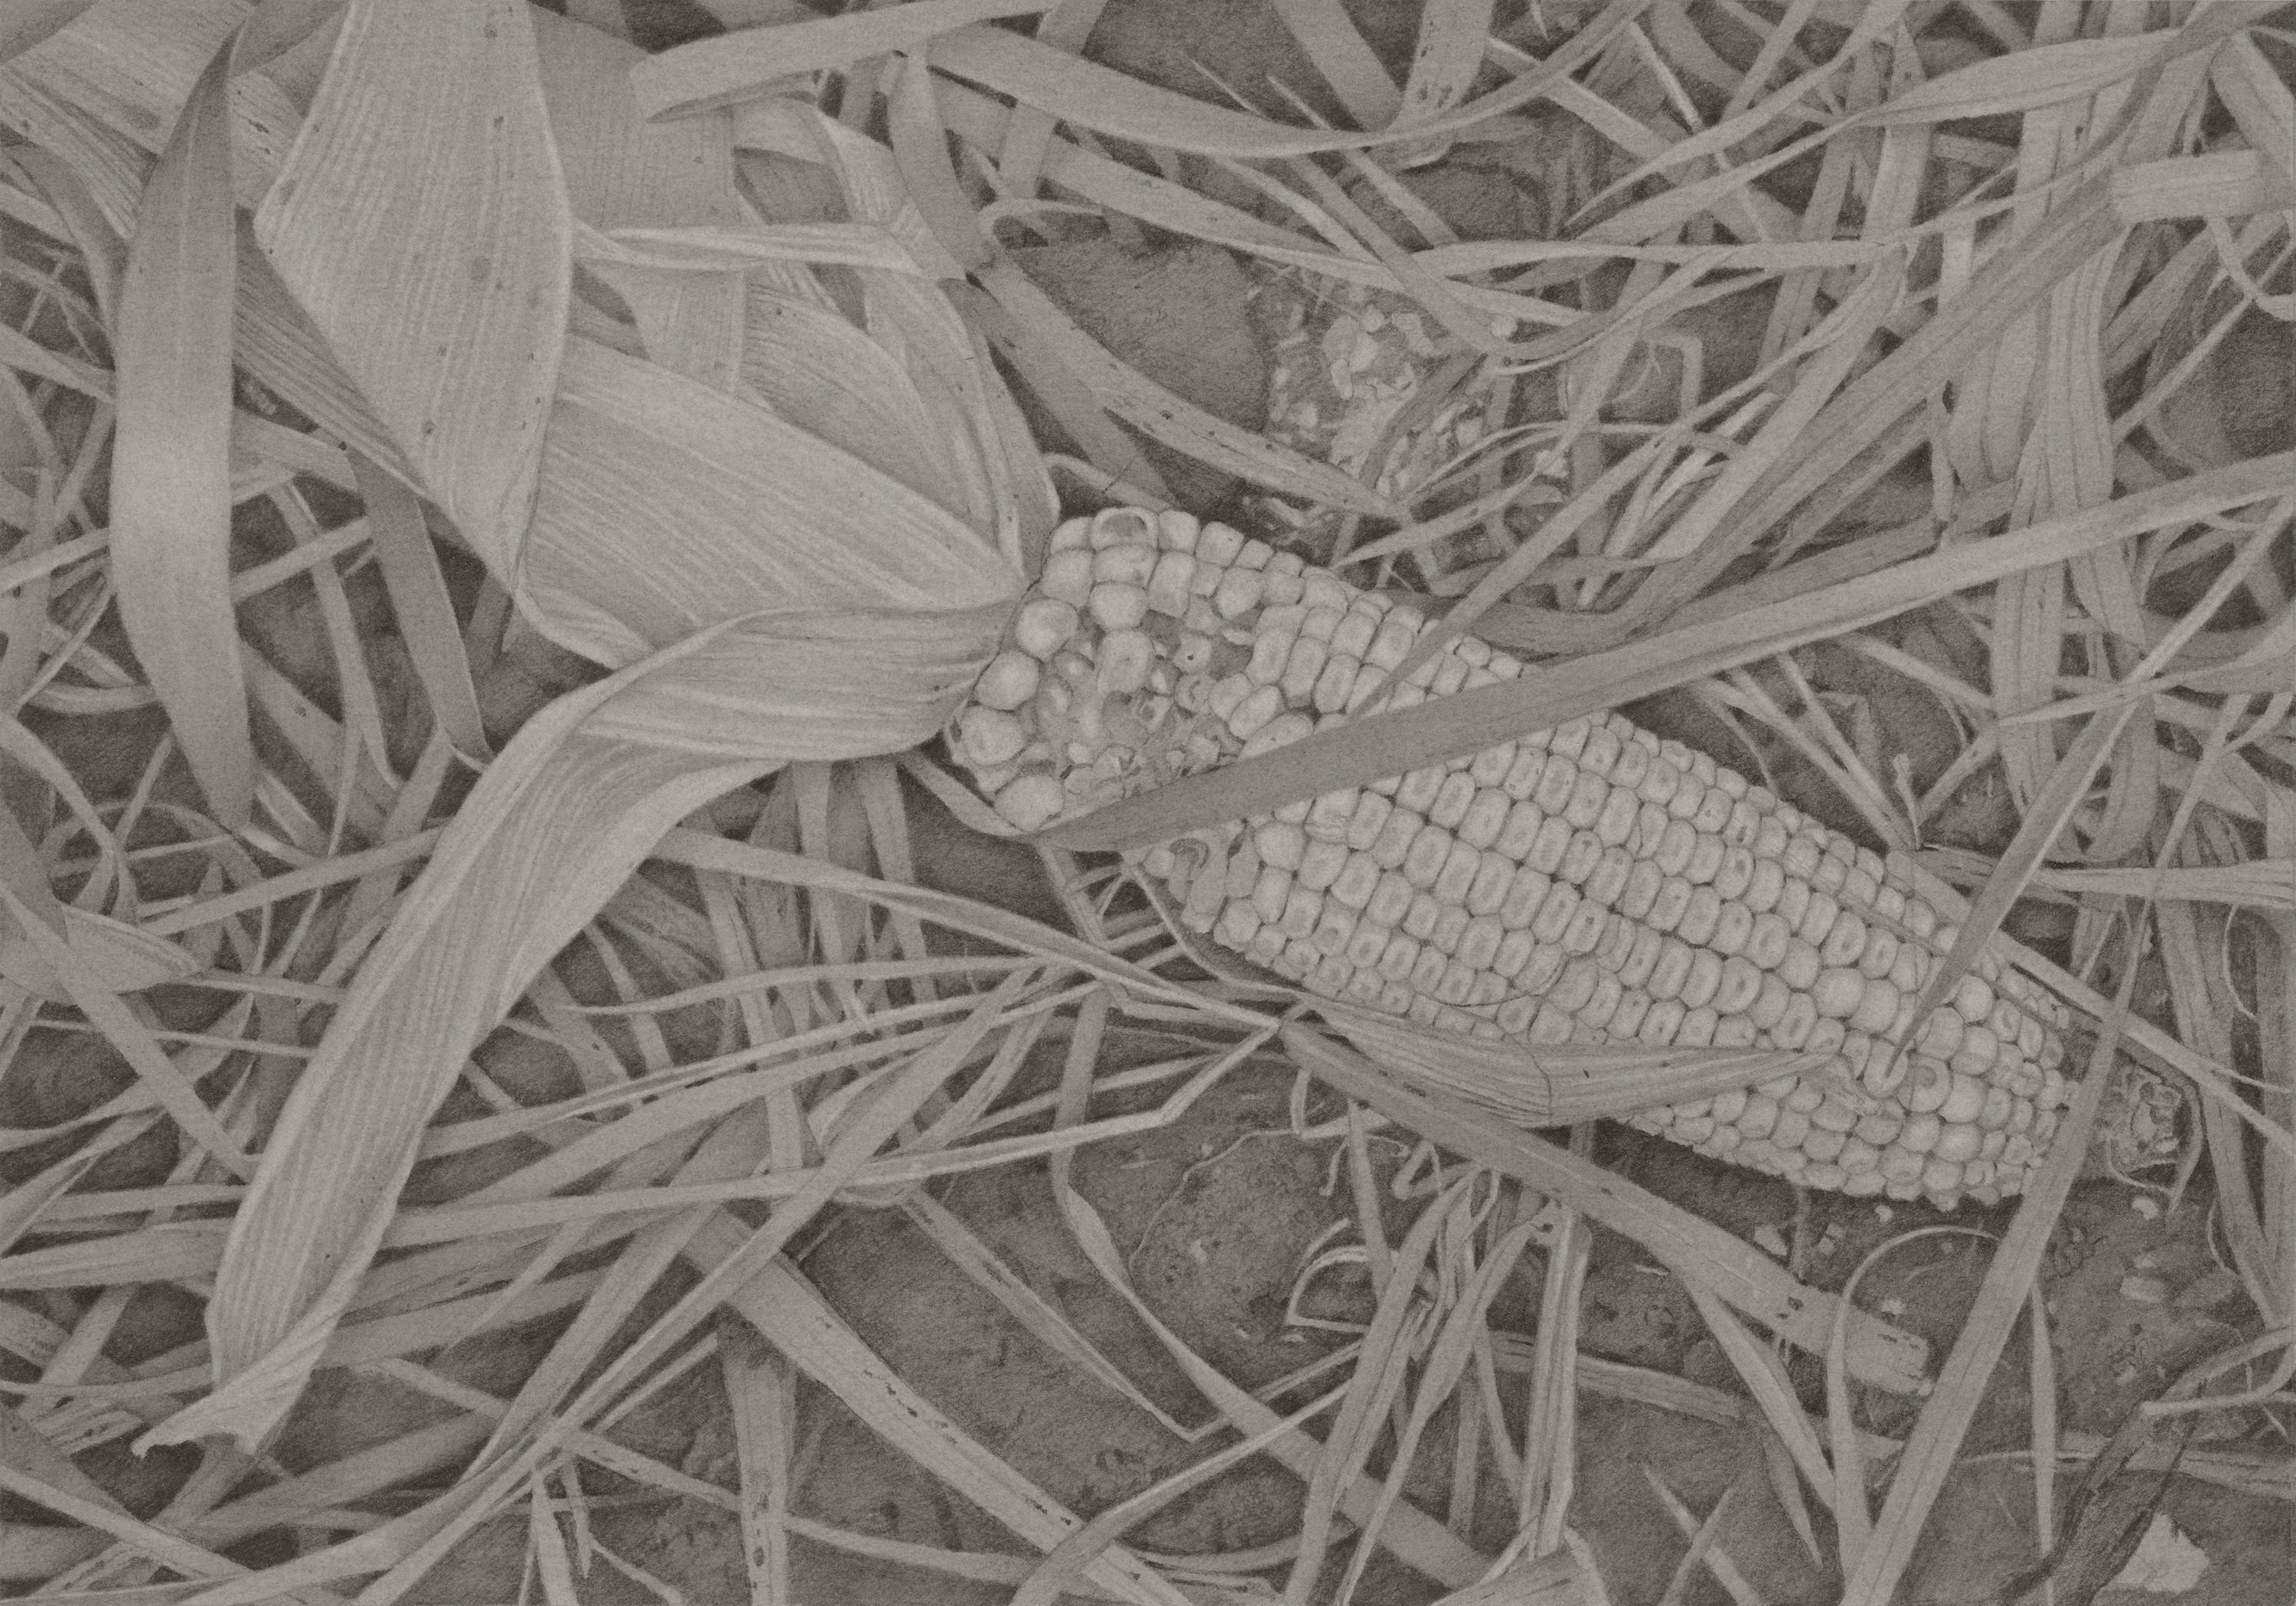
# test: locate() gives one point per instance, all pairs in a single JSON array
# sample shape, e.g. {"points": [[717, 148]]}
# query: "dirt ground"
{"points": [[1216, 1215]]}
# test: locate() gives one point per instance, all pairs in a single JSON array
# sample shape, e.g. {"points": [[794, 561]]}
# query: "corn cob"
{"points": [[1588, 883]]}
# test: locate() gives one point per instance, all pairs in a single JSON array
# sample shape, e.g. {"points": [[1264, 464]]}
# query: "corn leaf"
{"points": [[622, 170], [814, 369], [171, 495], [32, 21], [561, 819], [737, 511], [422, 221]]}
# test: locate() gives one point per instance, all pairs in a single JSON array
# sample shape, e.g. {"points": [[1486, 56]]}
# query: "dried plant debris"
{"points": [[575, 579]]}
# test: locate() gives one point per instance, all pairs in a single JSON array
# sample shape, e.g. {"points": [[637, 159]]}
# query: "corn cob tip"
{"points": [[1588, 883]]}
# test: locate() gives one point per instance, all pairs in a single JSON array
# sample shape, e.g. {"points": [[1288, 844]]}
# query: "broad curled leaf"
{"points": [[666, 506], [558, 822], [422, 221]]}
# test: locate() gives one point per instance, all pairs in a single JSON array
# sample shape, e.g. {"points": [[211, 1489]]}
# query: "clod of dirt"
{"points": [[2251, 377], [661, 24], [1475, 202], [1177, 314]]}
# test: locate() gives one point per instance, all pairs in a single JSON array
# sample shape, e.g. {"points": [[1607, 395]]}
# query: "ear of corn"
{"points": [[1585, 884]]}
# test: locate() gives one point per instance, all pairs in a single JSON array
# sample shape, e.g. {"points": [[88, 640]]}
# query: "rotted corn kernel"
{"points": [[1587, 883]]}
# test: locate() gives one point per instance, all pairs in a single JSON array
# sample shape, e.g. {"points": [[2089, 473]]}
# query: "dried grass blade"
{"points": [[2201, 1017], [1936, 1439], [1718, 1560], [1087, 94], [1841, 341], [920, 148], [174, 1093], [156, 1543], [421, 219], [1067, 25], [2261, 103], [701, 851], [1385, 1352], [737, 66], [731, 1151], [2037, 835], [2277, 991], [762, 1390], [1030, 1309], [988, 126], [2025, 80], [27, 1449], [2044, 1437], [1549, 1429], [102, 252], [25, 1203], [891, 1104], [1942, 351], [1336, 47], [362, 1475], [1052, 1580], [2069, 782], [1766, 1381], [1063, 394], [880, 787], [2217, 184], [1702, 1543], [170, 470], [1453, 36], [1409, 1534], [419, 603], [546, 1547], [1853, 1521], [1697, 1251], [1744, 123], [787, 1309], [1448, 1357]]}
